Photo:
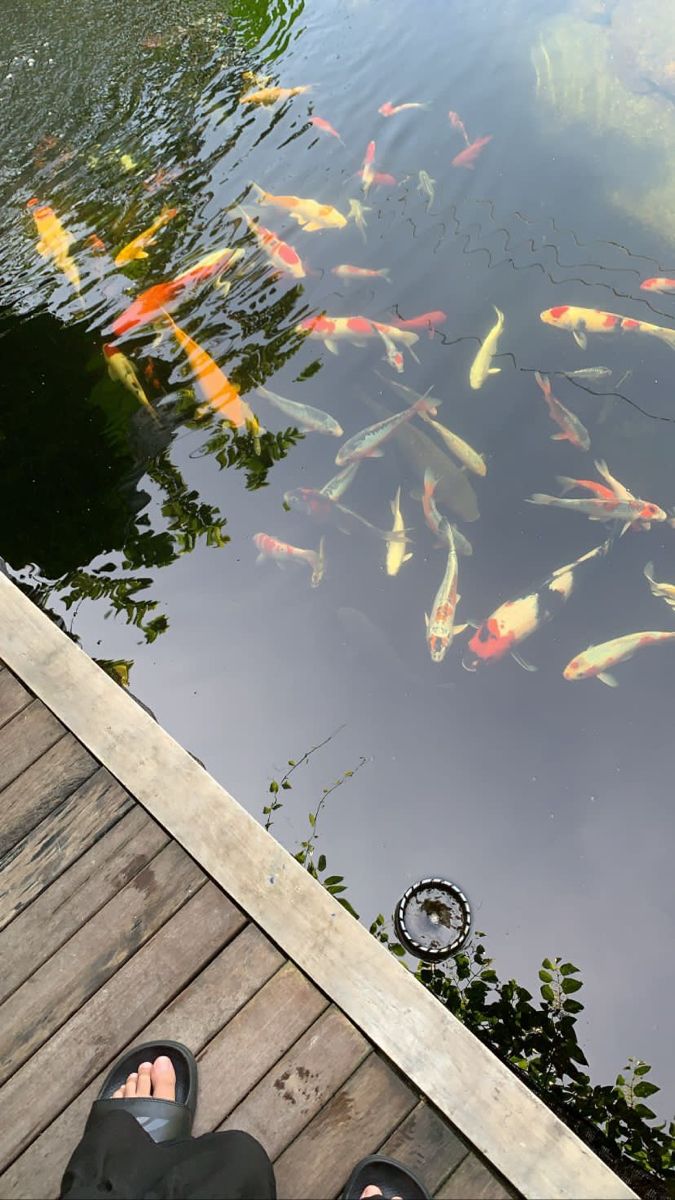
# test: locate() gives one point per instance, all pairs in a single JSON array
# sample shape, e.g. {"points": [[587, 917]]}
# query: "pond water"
{"points": [[548, 800]]}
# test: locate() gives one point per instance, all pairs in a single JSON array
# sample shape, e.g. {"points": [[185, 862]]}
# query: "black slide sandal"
{"points": [[391, 1177], [164, 1120]]}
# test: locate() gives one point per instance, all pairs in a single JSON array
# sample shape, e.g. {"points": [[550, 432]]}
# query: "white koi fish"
{"points": [[481, 366], [665, 591], [396, 548], [441, 624]]}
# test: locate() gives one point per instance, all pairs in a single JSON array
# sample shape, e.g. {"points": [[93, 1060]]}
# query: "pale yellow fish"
{"points": [[466, 454], [54, 241], [310, 214], [357, 214], [122, 370], [136, 247], [481, 366], [666, 591], [396, 546], [271, 95]]}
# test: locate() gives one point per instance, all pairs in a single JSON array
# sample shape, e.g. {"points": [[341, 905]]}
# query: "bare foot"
{"points": [[372, 1191], [156, 1079]]}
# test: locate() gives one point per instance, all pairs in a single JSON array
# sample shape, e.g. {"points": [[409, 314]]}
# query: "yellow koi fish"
{"points": [[218, 393], [481, 366], [54, 241], [122, 370], [580, 321], [396, 546], [272, 95], [466, 454], [666, 591], [308, 213], [593, 662], [136, 247]]}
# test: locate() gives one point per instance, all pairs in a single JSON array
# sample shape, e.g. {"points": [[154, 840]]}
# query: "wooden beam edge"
{"points": [[489, 1106]]}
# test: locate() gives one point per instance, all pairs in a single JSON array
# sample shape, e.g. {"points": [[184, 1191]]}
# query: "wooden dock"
{"points": [[138, 901]]}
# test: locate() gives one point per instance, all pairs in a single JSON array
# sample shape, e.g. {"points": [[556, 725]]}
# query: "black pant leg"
{"points": [[118, 1159]]}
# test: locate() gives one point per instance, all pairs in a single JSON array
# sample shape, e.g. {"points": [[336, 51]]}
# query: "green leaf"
{"points": [[645, 1088], [274, 786], [345, 904], [547, 993], [292, 763], [286, 785], [321, 865], [568, 969], [397, 949], [620, 1081], [572, 1006], [571, 985], [335, 888], [546, 976], [311, 817], [333, 879], [547, 964], [489, 975], [641, 1110], [643, 1069]]}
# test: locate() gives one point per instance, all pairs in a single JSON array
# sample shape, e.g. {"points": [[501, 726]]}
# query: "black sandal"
{"points": [[390, 1176], [164, 1120]]}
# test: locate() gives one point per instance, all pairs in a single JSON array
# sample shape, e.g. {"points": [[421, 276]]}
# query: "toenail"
{"points": [[145, 1066], [163, 1061]]}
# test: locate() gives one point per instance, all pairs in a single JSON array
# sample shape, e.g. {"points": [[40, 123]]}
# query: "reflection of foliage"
{"points": [[252, 453], [117, 668], [188, 518]]}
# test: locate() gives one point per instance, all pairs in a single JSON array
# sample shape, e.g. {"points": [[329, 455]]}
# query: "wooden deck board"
{"points": [[113, 935]]}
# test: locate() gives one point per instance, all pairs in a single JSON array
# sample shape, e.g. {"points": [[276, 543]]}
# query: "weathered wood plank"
{"points": [[426, 1144], [473, 1181], [193, 1017], [67, 980], [61, 1068], [354, 1123], [25, 738], [49, 781], [58, 841], [533, 1148], [64, 907], [291, 1095], [253, 1041], [13, 696]]}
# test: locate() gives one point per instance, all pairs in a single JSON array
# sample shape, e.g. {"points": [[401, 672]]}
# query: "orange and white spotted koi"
{"points": [[582, 321], [571, 428], [594, 662], [441, 624], [281, 255], [283, 552], [331, 330]]}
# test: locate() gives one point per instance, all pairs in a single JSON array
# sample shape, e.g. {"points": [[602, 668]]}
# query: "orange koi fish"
{"points": [[585, 485], [136, 247], [218, 393], [308, 213], [382, 179], [658, 284], [390, 110], [271, 95], [282, 552], [367, 170], [468, 156], [457, 122], [516, 620], [325, 127], [593, 662], [571, 428], [97, 244], [580, 321], [357, 330], [54, 241], [280, 254], [149, 305], [346, 271], [427, 320]]}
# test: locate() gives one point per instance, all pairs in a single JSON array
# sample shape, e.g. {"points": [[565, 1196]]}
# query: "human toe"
{"points": [[144, 1082], [163, 1078]]}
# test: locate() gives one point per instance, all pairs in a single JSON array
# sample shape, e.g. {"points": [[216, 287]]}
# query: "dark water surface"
{"points": [[550, 802]]}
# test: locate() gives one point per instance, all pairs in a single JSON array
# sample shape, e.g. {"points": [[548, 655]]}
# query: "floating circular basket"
{"points": [[433, 919]]}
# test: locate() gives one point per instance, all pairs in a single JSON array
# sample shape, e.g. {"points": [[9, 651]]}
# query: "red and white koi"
{"points": [[571, 428], [441, 624], [325, 127], [347, 271], [392, 355], [515, 620], [368, 170], [613, 492], [367, 443], [331, 330], [281, 255], [282, 552], [628, 512], [391, 110], [594, 662], [150, 304], [467, 157], [659, 283], [582, 321]]}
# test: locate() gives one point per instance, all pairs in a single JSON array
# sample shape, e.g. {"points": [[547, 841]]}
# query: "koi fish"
{"points": [[481, 366], [346, 271], [466, 454], [97, 244], [666, 591], [272, 95], [593, 662], [382, 179], [659, 283], [326, 510], [441, 624], [282, 552], [337, 486], [331, 330], [367, 170], [580, 321], [303, 415], [357, 214], [390, 110], [367, 443], [591, 373], [281, 255], [457, 123], [308, 213], [427, 186], [325, 127], [218, 393], [427, 320], [628, 511], [150, 304], [122, 370], [588, 485], [54, 241], [468, 156], [438, 523], [396, 549], [393, 356], [516, 620], [571, 428], [136, 247]]}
